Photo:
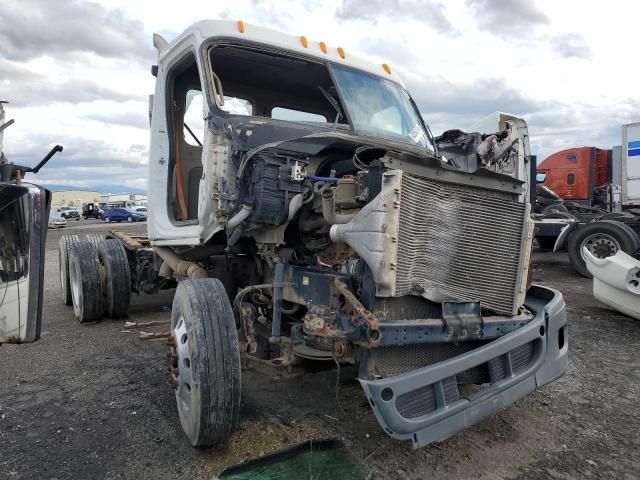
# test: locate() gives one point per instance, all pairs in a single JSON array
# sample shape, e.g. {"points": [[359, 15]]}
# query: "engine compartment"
{"points": [[336, 236]]}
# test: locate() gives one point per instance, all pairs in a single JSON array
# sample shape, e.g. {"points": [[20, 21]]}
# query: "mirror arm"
{"points": [[52, 152], [9, 171]]}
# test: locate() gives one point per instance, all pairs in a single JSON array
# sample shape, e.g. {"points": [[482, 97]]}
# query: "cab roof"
{"points": [[207, 29]]}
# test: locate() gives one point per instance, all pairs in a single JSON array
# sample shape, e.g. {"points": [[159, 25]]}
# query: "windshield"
{"points": [[379, 107]]}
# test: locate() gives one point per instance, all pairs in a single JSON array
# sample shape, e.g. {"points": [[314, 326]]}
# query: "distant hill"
{"points": [[96, 188]]}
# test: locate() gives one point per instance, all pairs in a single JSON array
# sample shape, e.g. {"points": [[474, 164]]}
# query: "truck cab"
{"points": [[574, 173], [222, 88]]}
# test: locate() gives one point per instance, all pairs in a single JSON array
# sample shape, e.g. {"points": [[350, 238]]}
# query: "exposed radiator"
{"points": [[457, 242]]}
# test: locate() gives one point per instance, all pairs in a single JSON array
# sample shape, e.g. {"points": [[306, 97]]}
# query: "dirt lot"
{"points": [[88, 401]]}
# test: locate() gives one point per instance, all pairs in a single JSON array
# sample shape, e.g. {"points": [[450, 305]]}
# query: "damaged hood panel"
{"points": [[471, 151]]}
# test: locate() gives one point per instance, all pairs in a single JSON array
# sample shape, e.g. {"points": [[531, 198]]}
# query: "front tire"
{"points": [[117, 278], [207, 359], [603, 239], [86, 282], [129, 219]]}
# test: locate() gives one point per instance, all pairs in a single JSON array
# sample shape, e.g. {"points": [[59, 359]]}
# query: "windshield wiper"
{"points": [[334, 104]]}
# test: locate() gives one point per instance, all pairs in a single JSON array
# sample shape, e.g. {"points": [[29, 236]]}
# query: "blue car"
{"points": [[121, 215]]}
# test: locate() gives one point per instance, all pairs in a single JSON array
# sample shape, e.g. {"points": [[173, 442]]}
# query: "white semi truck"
{"points": [[305, 213]]}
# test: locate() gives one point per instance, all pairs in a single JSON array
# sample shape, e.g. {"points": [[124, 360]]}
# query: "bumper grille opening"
{"points": [[396, 360], [422, 401], [520, 358], [459, 243]]}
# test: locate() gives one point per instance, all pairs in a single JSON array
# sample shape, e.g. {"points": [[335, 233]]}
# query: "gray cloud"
{"points": [[435, 94], [266, 13], [430, 12], [508, 17], [562, 125], [15, 71], [34, 28], [571, 45], [23, 87], [129, 119], [98, 160], [39, 93]]}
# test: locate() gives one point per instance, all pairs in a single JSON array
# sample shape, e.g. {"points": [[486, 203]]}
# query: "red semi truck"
{"points": [[578, 174]]}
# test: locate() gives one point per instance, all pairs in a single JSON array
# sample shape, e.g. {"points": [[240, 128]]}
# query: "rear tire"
{"points": [[208, 359], [603, 239], [64, 247], [107, 219], [86, 282], [117, 278], [95, 238]]}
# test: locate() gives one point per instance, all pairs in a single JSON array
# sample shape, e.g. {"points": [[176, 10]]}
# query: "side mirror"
{"points": [[24, 213]]}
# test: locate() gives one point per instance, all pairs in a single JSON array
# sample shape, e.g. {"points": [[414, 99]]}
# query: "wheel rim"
{"points": [[130, 219], [181, 369], [107, 219], [600, 245]]}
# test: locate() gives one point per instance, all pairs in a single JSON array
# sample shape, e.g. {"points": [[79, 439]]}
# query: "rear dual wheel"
{"points": [[86, 282], [64, 249], [116, 278], [100, 281], [95, 238]]}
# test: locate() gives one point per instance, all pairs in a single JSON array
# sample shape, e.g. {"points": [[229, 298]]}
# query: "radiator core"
{"points": [[458, 242]]}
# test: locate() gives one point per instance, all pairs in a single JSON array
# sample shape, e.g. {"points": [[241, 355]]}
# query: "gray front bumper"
{"points": [[399, 402]]}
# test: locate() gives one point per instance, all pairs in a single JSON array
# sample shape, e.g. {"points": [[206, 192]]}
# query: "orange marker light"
{"points": [[303, 41], [341, 52], [386, 68], [240, 25], [323, 47]]}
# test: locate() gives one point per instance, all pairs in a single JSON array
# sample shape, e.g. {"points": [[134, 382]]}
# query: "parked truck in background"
{"points": [[598, 200], [304, 213]]}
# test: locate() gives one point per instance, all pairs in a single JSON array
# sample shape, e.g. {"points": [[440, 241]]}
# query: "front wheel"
{"points": [[129, 219], [205, 361]]}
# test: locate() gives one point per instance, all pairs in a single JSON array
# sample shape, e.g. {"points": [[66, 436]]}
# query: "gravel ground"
{"points": [[88, 401]]}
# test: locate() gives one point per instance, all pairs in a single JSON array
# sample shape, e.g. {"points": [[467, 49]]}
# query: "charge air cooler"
{"points": [[444, 241]]}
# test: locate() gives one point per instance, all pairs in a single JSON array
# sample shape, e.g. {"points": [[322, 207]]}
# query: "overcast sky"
{"points": [[77, 73]]}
